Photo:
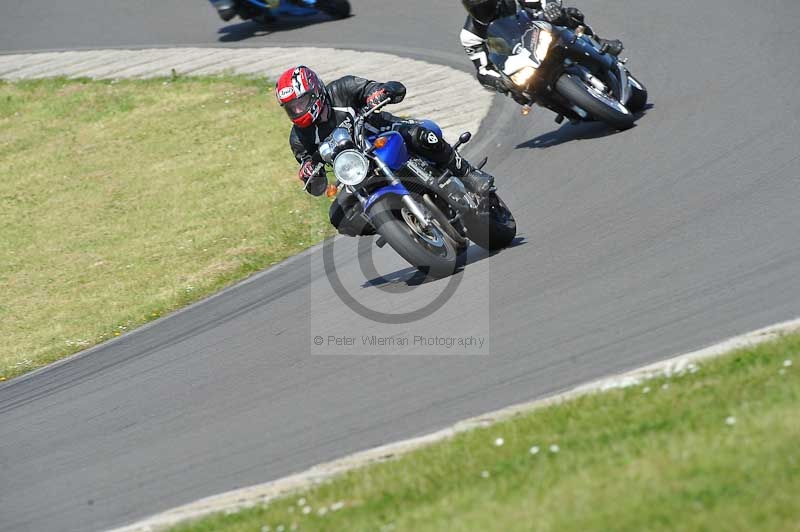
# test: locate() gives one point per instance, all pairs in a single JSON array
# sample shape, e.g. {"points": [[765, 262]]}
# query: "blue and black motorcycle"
{"points": [[266, 11], [426, 216]]}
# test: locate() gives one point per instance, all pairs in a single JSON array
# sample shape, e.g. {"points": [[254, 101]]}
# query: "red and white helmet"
{"points": [[302, 94]]}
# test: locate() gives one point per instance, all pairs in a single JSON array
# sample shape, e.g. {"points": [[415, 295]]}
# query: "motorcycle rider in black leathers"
{"points": [[481, 13], [317, 109]]}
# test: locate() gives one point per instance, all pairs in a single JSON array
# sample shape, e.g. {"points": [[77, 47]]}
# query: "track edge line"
{"points": [[242, 498]]}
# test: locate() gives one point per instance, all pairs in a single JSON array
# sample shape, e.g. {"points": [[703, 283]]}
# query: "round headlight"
{"points": [[351, 167], [543, 45]]}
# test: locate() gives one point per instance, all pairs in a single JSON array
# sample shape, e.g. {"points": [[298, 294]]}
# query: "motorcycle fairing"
{"points": [[395, 152], [503, 39], [398, 190]]}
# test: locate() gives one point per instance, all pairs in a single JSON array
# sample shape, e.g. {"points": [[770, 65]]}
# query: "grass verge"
{"points": [[712, 449], [123, 200]]}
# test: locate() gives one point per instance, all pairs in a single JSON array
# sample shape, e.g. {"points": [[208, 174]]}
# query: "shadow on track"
{"points": [[401, 281], [568, 132], [250, 28]]}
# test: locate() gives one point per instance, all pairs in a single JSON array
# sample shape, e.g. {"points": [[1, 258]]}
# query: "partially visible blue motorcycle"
{"points": [[266, 11], [426, 216]]}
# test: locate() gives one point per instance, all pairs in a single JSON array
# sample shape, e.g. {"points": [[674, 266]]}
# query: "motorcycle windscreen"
{"points": [[508, 36]]}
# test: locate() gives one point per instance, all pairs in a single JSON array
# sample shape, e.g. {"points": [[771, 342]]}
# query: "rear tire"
{"points": [[600, 106], [431, 250], [495, 229], [335, 8]]}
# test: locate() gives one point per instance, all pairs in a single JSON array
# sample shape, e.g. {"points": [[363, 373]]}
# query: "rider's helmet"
{"points": [[302, 94], [485, 11]]}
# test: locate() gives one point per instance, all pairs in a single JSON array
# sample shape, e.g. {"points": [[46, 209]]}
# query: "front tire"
{"points": [[638, 99], [599, 105], [495, 229], [430, 250], [335, 8]]}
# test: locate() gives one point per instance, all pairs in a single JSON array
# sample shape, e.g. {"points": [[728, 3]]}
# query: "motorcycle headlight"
{"points": [[523, 76], [351, 167], [326, 150], [543, 45]]}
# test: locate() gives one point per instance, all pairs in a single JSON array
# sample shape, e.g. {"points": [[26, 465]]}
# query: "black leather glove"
{"points": [[505, 86], [519, 98], [552, 13], [317, 184], [307, 170], [312, 174], [391, 89], [492, 81]]}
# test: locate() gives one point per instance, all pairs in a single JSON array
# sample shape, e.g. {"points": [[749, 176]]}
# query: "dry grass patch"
{"points": [[120, 201]]}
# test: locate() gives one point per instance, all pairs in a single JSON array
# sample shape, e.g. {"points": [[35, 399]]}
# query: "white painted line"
{"points": [[246, 497]]}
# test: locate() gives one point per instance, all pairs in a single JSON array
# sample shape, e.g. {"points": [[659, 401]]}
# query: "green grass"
{"points": [[121, 201], [712, 450]]}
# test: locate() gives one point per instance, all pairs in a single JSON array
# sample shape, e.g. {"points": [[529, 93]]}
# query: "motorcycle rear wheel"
{"points": [[495, 229], [429, 250], [600, 106]]}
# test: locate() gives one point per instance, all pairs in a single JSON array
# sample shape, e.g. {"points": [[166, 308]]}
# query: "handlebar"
{"points": [[380, 105]]}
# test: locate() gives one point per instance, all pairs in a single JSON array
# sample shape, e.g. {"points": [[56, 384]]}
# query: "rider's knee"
{"points": [[426, 139]]}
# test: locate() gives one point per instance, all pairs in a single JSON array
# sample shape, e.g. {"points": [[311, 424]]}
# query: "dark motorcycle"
{"points": [[266, 11], [427, 217], [564, 70]]}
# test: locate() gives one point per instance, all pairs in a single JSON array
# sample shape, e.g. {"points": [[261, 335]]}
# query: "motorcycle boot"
{"points": [[611, 46], [432, 146], [478, 181], [474, 180]]}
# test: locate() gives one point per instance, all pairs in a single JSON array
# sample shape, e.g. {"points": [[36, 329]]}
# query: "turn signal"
{"points": [[380, 142], [525, 110], [331, 190]]}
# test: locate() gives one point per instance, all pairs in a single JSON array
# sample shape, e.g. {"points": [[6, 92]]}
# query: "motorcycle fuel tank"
{"points": [[394, 152]]}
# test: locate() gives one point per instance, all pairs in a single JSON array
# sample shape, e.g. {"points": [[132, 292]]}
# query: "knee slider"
{"points": [[426, 139]]}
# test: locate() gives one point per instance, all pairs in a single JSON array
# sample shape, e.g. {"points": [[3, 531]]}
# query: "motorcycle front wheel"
{"points": [[428, 249], [599, 104], [335, 8], [638, 99]]}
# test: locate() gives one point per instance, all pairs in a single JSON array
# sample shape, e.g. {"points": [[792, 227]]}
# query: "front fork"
{"points": [[409, 202], [623, 89]]}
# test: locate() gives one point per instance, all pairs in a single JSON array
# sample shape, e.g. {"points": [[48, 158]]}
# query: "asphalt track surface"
{"points": [[634, 246]]}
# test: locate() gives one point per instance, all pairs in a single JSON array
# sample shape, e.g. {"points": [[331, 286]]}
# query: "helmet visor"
{"points": [[299, 106]]}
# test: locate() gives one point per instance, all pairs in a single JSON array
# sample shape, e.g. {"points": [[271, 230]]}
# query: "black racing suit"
{"points": [[473, 37], [347, 96]]}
